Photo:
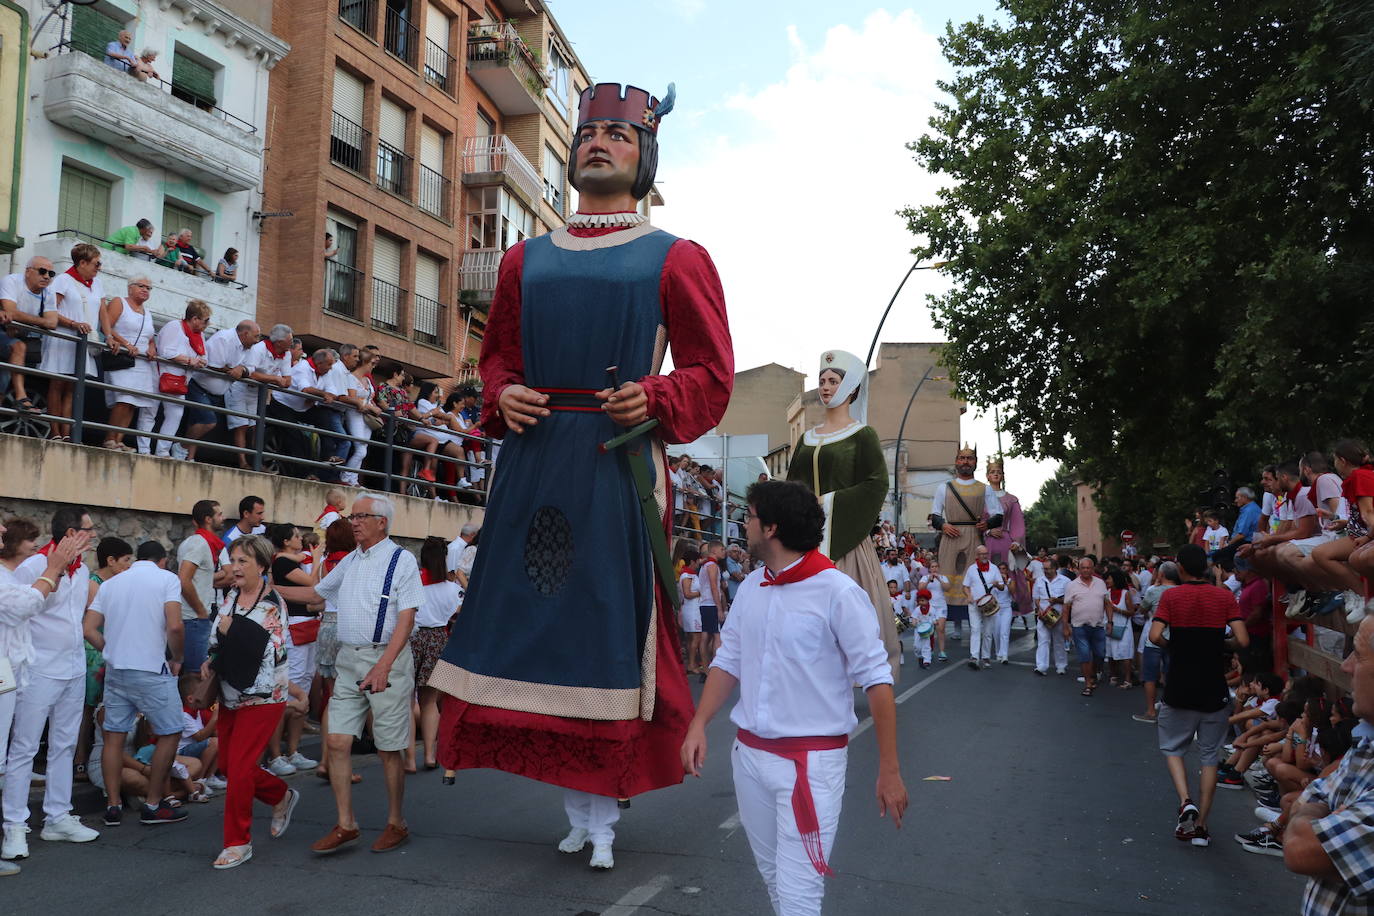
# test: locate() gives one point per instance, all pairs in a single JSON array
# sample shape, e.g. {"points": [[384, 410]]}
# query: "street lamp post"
{"points": [[897, 455], [868, 361]]}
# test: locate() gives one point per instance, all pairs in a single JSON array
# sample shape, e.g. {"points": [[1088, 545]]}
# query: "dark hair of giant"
{"points": [[793, 508]]}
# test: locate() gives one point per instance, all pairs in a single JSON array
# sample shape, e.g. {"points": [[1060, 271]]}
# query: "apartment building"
{"points": [[184, 149], [426, 137]]}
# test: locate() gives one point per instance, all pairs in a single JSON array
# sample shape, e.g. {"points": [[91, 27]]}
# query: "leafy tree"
{"points": [[1054, 514], [1160, 217]]}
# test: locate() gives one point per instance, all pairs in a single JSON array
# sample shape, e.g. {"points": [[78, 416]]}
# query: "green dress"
{"points": [[846, 469]]}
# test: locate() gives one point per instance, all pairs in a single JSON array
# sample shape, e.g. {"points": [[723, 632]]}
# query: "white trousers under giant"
{"points": [[1045, 638], [595, 814], [57, 704], [1003, 629], [763, 790], [982, 632]]}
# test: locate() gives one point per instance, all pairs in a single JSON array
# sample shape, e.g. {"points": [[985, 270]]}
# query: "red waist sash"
{"points": [[576, 400], [803, 804]]}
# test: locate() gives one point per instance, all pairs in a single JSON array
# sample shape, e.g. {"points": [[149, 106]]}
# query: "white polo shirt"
{"points": [[59, 643], [355, 588], [303, 376], [135, 607], [223, 350], [14, 289], [993, 576], [455, 553]]}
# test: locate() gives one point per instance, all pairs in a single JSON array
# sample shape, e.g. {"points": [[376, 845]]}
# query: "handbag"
{"points": [[240, 649], [117, 362], [7, 679], [171, 383], [1118, 629], [373, 422], [305, 632]]}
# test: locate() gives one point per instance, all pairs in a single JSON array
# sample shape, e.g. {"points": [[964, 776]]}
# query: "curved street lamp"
{"points": [[914, 267], [897, 455]]}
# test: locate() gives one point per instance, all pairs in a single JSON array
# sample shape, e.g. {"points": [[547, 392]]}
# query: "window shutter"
{"points": [[193, 78], [175, 219], [391, 127], [431, 149], [92, 30], [83, 202], [386, 259], [436, 27], [427, 276], [348, 95]]}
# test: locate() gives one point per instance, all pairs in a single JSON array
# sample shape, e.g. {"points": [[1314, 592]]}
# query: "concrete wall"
{"points": [[759, 403]]}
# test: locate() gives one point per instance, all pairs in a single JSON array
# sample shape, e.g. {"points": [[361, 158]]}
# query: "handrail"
{"points": [[434, 192], [115, 247], [439, 66], [64, 47], [259, 453]]}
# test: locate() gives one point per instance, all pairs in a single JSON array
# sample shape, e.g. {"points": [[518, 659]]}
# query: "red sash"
{"points": [[305, 632], [803, 804]]}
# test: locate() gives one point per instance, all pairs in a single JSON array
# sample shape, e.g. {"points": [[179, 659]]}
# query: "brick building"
{"points": [[427, 136]]}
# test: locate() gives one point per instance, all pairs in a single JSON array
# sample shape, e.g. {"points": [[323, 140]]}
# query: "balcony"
{"points": [[393, 170], [401, 38], [388, 306], [435, 194], [361, 14], [146, 121], [348, 144], [495, 160], [430, 320], [343, 290], [478, 272], [499, 62], [439, 67]]}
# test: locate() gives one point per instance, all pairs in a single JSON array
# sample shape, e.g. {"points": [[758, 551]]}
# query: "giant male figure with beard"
{"points": [[963, 509], [563, 666]]}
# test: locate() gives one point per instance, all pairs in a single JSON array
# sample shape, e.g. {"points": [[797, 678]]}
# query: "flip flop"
{"points": [[281, 821]]}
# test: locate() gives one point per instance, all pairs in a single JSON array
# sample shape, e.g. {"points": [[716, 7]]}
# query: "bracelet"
{"points": [[51, 583]]}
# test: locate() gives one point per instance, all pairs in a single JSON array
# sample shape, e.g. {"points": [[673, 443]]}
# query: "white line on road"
{"points": [[637, 897], [731, 822]]}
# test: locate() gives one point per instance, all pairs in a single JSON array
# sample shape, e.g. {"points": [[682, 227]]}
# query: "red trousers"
{"points": [[243, 734]]}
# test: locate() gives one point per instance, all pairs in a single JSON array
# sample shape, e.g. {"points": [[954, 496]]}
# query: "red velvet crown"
{"points": [[604, 102]]}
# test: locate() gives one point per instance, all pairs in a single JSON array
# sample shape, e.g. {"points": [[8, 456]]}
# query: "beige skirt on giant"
{"points": [[861, 565]]}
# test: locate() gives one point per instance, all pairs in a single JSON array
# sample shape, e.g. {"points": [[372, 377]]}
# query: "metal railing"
{"points": [[439, 66], [702, 524], [393, 170], [435, 192], [429, 315], [361, 14], [112, 246], [175, 90], [270, 434], [343, 289], [499, 42], [480, 268], [401, 38], [348, 143], [496, 153], [388, 305]]}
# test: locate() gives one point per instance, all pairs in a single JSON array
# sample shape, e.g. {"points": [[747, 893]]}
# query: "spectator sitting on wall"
{"points": [[227, 270], [120, 53], [134, 240], [24, 301], [190, 259]]}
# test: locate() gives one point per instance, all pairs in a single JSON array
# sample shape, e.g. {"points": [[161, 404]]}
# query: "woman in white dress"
{"points": [[128, 327], [77, 296], [362, 403], [1120, 649], [180, 346]]}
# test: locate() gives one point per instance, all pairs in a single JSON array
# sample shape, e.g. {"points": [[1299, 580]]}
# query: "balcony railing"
{"points": [[361, 14], [435, 193], [430, 321], [479, 269], [388, 305], [495, 154], [343, 290], [176, 265], [401, 38], [503, 66], [439, 66], [348, 143], [393, 170]]}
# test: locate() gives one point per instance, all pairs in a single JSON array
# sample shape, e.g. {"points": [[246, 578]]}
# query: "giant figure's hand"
{"points": [[950, 532], [627, 405], [521, 407]]}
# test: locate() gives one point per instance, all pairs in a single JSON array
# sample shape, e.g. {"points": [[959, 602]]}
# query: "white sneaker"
{"points": [[280, 766], [8, 868], [1355, 607], [216, 782], [16, 844], [302, 762], [601, 856], [68, 829], [179, 451], [574, 841]]}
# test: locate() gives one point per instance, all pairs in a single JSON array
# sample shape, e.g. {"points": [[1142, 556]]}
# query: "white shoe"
{"points": [[574, 841], [218, 783], [601, 856], [280, 766], [1355, 607], [179, 451], [68, 829], [302, 762], [8, 868], [16, 844]]}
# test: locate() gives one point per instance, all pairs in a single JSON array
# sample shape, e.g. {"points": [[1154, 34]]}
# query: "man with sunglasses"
{"points": [[24, 300]]}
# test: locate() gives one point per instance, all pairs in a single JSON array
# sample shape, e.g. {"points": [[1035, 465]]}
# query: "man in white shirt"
{"points": [[135, 620], [1297, 522], [376, 589], [225, 352], [895, 569], [802, 634], [24, 302], [459, 544], [200, 573], [1047, 594], [52, 696], [308, 377], [269, 362], [961, 511], [982, 579]]}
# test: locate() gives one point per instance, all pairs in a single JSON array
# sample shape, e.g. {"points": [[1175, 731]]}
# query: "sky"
{"points": [[786, 158]]}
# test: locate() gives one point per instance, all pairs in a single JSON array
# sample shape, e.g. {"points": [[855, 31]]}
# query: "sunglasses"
{"points": [[44, 272]]}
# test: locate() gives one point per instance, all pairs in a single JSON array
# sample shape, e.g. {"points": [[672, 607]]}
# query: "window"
{"points": [[347, 139], [92, 30], [83, 202], [193, 80], [388, 298], [559, 69], [428, 309], [497, 220], [555, 179], [176, 217], [343, 283], [517, 223]]}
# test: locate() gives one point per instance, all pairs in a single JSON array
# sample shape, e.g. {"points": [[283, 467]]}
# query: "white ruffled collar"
{"points": [[606, 220]]}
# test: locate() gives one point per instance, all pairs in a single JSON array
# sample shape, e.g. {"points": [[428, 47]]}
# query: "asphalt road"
{"points": [[1056, 804]]}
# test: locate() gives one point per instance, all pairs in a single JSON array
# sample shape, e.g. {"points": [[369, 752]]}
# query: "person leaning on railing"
{"points": [[180, 346], [129, 330], [24, 301]]}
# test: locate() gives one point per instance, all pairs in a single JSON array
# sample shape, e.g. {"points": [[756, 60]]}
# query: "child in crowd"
{"points": [[936, 584], [1216, 535], [1256, 698], [1231, 774], [690, 589], [923, 621], [198, 734]]}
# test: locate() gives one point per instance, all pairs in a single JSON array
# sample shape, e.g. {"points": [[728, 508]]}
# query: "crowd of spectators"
{"points": [[330, 403]]}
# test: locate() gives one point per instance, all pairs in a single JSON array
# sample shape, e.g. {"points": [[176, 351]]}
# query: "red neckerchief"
{"points": [[215, 543], [312, 366], [274, 351], [983, 566], [52, 545], [427, 579], [71, 272], [328, 509], [812, 562], [1116, 595], [334, 558], [194, 338]]}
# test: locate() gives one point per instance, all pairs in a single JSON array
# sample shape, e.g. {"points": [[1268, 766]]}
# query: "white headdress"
{"points": [[855, 372]]}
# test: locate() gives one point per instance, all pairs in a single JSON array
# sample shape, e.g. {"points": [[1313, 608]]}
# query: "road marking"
{"points": [[731, 822], [637, 897]]}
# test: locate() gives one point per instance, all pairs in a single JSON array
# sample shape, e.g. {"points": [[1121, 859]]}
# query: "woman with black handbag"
{"points": [[248, 652], [129, 332]]}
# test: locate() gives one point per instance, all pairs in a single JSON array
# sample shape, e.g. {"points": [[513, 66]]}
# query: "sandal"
{"points": [[280, 821], [27, 405], [1124, 685], [1087, 690], [233, 856]]}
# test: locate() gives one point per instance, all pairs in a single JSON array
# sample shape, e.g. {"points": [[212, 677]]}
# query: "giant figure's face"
{"points": [[965, 462], [607, 157]]}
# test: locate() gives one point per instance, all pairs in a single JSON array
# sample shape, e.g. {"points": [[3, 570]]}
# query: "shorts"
{"points": [[301, 665], [199, 416], [244, 398], [349, 706], [1178, 727], [710, 619], [1089, 643], [1307, 545], [691, 621], [194, 748], [129, 691], [327, 643], [1154, 664], [940, 613]]}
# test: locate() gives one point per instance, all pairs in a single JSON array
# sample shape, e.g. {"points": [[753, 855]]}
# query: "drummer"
{"points": [[923, 619]]}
